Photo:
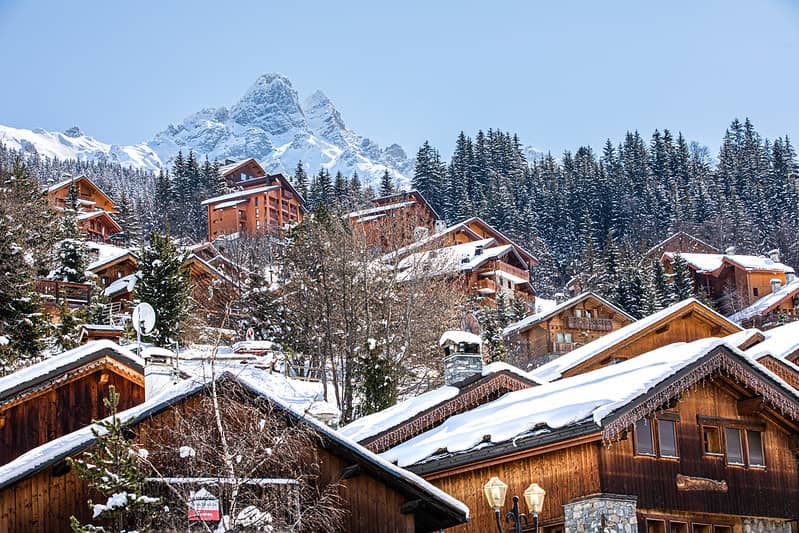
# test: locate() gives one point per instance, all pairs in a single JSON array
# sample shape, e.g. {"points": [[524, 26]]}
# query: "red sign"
{"points": [[203, 506]]}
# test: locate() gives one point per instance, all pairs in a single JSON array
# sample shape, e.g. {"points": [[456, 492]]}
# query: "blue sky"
{"points": [[561, 74]]}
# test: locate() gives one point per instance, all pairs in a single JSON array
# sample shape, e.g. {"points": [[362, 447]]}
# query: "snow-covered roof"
{"points": [[555, 368], [499, 366], [591, 401], [257, 381], [240, 194], [248, 346], [453, 259], [126, 284], [371, 425], [106, 253], [228, 168], [780, 342], [381, 209], [706, 263], [21, 380], [742, 339], [70, 180], [458, 337], [532, 320], [231, 203], [767, 303]]}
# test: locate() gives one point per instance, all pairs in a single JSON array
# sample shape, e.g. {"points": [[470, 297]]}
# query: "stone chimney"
{"points": [[776, 283], [160, 371], [774, 255], [463, 356], [730, 250]]}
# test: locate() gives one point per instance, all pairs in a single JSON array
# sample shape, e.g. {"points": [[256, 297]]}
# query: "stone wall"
{"points": [[460, 366], [601, 513], [762, 525]]}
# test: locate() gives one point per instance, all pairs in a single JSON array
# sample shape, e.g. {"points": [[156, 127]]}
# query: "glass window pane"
{"points": [[732, 438], [667, 438], [643, 437], [711, 439], [568, 337], [754, 440]]}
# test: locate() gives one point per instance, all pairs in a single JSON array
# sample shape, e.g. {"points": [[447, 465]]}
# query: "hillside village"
{"points": [[395, 361]]}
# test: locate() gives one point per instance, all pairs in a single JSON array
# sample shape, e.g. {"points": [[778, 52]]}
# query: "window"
{"points": [[754, 291], [644, 443], [722, 529], [678, 527], [243, 176], [667, 438], [256, 201], [655, 526], [732, 440], [711, 440], [701, 528], [257, 213], [754, 445], [564, 337]]}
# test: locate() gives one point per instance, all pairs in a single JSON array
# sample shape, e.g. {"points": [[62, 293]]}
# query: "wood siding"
{"points": [[772, 491], [61, 409], [565, 474]]}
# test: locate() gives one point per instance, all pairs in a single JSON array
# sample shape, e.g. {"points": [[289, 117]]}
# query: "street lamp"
{"points": [[495, 491]]}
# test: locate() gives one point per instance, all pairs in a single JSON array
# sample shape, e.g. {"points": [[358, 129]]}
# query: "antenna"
{"points": [[143, 318]]}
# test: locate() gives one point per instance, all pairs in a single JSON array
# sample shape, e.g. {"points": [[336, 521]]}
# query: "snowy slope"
{"points": [[74, 144], [269, 123]]}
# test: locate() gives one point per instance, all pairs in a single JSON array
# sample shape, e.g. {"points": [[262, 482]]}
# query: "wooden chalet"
{"points": [[681, 242], [734, 282], [684, 321], [397, 219], [64, 393], [110, 263], [90, 196], [259, 204], [39, 492], [773, 309], [542, 337], [693, 437], [211, 288], [94, 207], [482, 268], [98, 332]]}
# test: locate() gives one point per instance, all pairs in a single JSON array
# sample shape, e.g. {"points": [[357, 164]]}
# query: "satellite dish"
{"points": [[143, 318]]}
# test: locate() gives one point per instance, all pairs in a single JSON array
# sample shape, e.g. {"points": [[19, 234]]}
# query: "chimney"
{"points": [[560, 297], [463, 356], [774, 255], [478, 250], [776, 283], [440, 226], [160, 371], [730, 250]]}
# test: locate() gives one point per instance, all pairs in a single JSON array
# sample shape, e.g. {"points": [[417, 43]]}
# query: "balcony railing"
{"points": [[486, 286], [596, 324], [562, 347], [512, 270], [73, 293]]}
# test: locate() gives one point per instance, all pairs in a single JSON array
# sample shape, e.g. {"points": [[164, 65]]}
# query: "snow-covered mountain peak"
{"points": [[74, 132], [324, 120], [272, 104]]}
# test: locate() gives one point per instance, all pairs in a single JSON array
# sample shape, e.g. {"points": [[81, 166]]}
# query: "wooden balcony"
{"points": [[486, 286], [72, 293], [512, 270], [594, 324], [562, 347]]}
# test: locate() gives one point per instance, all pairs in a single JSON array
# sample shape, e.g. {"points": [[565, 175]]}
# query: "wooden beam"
{"points": [[411, 506], [351, 471], [751, 406]]}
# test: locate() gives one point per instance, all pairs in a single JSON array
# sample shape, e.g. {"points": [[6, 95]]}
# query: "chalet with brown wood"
{"points": [[64, 393], [39, 492], [691, 437], [94, 207], [684, 321], [776, 308], [732, 281], [259, 204], [537, 339], [681, 242], [397, 219]]}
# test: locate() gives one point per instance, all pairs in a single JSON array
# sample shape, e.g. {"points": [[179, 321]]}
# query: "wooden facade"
{"points": [[683, 322], [701, 476], [259, 204], [396, 220], [735, 281], [63, 400], [540, 338], [375, 499], [773, 309], [94, 207]]}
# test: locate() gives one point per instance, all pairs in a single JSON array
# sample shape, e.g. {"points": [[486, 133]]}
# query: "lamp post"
{"points": [[495, 491]]}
